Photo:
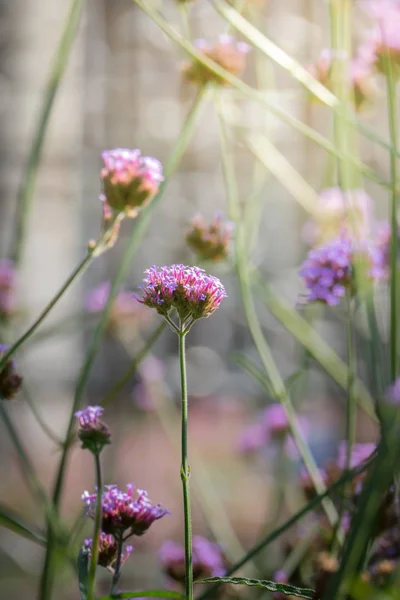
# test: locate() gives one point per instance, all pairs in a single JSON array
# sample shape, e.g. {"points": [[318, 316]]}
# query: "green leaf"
{"points": [[13, 522], [271, 586], [83, 564], [145, 594]]}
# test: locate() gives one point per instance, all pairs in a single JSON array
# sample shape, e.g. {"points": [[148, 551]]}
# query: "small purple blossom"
{"points": [[210, 242], [89, 417], [10, 380], [359, 454], [384, 39], [189, 290], [123, 310], [123, 511], [108, 549], [93, 433], [129, 179], [208, 560]]}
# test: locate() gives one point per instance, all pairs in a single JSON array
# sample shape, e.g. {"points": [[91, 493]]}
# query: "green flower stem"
{"points": [[27, 189], [131, 370], [263, 349], [38, 417], [274, 535], [133, 245], [74, 275], [117, 570], [185, 472], [394, 246], [96, 531]]}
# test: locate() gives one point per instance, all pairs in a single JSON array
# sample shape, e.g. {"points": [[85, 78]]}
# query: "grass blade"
{"points": [[271, 586]]}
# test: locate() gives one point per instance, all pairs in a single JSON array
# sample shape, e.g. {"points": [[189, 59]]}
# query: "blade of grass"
{"points": [[27, 189], [9, 520]]}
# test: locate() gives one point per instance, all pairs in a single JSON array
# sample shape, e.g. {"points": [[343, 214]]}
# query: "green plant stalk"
{"points": [[96, 531], [274, 535], [260, 343], [394, 245], [185, 470], [38, 417], [118, 564], [134, 243], [27, 188], [144, 594]]}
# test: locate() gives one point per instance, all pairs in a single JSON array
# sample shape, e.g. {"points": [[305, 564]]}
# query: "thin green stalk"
{"points": [[134, 243], [274, 535], [27, 188], [117, 570], [185, 472], [263, 349], [96, 531], [38, 417], [74, 275], [394, 245], [131, 370]]}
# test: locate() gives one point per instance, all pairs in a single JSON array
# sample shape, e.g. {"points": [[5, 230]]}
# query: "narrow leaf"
{"points": [[83, 564], [145, 594], [14, 523], [271, 586]]}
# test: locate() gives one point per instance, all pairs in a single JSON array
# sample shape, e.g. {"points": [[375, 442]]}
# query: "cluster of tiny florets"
{"points": [[108, 550], [189, 290], [129, 179], [210, 242], [122, 511], [93, 433], [208, 560]]}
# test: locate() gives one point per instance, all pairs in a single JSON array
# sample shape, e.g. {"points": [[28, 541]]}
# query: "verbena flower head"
{"points": [[210, 242], [339, 211], [129, 179], [329, 270], [189, 290], [108, 549], [359, 454], [383, 41], [93, 433], [10, 380], [7, 287], [208, 560], [125, 511], [227, 53]]}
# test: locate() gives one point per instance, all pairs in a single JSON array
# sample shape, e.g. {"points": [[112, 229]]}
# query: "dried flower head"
{"points": [[227, 53], [189, 290], [10, 380], [208, 560], [210, 242], [93, 433], [129, 179], [7, 287], [350, 212], [123, 512], [108, 549]]}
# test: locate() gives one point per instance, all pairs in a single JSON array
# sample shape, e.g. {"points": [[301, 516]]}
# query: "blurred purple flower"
{"points": [[393, 393], [123, 311], [148, 391], [7, 287], [384, 39], [93, 433], [189, 290], [359, 453], [10, 380], [130, 180], [210, 242], [108, 549], [208, 560], [122, 511]]}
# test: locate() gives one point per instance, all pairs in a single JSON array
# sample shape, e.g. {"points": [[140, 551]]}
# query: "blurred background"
{"points": [[123, 88]]}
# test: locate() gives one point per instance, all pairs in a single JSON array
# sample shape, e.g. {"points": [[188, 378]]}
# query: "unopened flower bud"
{"points": [[10, 381], [210, 242], [227, 53], [108, 549], [93, 433], [129, 179]]}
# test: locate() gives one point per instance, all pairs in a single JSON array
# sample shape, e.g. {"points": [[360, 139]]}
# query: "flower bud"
{"points": [[10, 381], [210, 242], [129, 179], [93, 433], [108, 549]]}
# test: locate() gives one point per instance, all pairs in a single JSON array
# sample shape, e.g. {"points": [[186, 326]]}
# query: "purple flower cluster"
{"points": [[108, 550], [189, 290], [359, 454], [7, 286], [122, 511], [384, 39], [123, 310], [210, 242], [93, 433], [10, 380], [129, 179], [208, 560]]}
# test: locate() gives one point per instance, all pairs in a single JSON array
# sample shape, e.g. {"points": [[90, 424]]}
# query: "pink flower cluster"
{"points": [[129, 179], [359, 454], [93, 433], [208, 560], [189, 290], [210, 242], [122, 511], [108, 550]]}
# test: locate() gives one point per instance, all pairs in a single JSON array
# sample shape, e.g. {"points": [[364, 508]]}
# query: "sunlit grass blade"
{"points": [[271, 586], [27, 189], [14, 523]]}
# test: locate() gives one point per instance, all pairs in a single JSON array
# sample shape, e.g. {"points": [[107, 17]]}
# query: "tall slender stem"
{"points": [[185, 472], [351, 401], [391, 98], [96, 530], [117, 571]]}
